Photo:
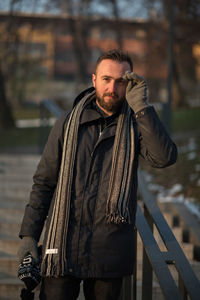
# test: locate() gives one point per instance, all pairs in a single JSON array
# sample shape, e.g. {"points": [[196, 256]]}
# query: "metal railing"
{"points": [[48, 108], [154, 260]]}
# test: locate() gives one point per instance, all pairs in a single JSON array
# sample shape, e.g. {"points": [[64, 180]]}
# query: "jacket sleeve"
{"points": [[156, 147], [44, 183]]}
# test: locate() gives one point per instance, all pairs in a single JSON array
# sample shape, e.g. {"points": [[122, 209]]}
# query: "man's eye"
{"points": [[121, 82]]}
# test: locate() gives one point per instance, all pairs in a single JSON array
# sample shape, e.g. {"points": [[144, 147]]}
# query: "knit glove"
{"points": [[136, 91], [28, 246]]}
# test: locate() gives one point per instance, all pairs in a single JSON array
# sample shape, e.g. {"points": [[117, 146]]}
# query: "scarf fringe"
{"points": [[116, 219]]}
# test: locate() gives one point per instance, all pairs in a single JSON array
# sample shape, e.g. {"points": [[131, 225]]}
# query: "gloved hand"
{"points": [[136, 91], [28, 246]]}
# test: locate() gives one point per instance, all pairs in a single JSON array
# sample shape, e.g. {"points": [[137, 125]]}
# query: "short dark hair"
{"points": [[116, 55]]}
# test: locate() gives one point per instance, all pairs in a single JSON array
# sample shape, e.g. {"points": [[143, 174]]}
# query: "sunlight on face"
{"points": [[110, 85]]}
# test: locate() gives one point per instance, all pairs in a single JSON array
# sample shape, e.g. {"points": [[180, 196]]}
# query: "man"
{"points": [[86, 183]]}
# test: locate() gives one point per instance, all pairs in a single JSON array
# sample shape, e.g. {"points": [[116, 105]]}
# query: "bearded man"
{"points": [[85, 186]]}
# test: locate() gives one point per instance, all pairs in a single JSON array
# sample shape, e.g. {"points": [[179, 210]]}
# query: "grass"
{"points": [[19, 137], [184, 120], [23, 137], [26, 113]]}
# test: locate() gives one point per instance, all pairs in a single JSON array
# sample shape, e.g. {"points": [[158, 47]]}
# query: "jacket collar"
{"points": [[92, 113]]}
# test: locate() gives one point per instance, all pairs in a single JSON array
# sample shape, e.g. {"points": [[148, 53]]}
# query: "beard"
{"points": [[113, 105]]}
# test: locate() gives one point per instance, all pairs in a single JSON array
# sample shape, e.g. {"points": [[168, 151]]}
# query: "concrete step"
{"points": [[16, 172], [11, 229], [196, 268], [13, 202], [16, 193], [188, 250], [10, 289], [18, 160], [11, 214], [9, 245], [185, 219], [169, 218], [9, 265], [14, 182], [156, 291]]}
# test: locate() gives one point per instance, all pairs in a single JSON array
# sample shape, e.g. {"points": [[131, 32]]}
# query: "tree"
{"points": [[78, 22], [186, 34], [7, 35], [14, 67], [80, 13], [6, 117]]}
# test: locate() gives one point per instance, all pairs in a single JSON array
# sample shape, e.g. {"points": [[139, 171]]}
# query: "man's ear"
{"points": [[94, 80]]}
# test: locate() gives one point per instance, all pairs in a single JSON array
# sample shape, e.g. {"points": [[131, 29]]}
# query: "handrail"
{"points": [[47, 109], [149, 215], [52, 107], [159, 260]]}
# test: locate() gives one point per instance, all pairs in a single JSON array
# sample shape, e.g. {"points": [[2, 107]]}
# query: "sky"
{"points": [[127, 8]]}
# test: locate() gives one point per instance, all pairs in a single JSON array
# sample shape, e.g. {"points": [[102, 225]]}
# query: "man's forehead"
{"points": [[108, 67]]}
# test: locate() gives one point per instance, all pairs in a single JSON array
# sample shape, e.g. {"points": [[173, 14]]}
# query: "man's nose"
{"points": [[112, 87]]}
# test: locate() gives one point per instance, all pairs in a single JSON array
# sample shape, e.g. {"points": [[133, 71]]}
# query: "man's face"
{"points": [[109, 84]]}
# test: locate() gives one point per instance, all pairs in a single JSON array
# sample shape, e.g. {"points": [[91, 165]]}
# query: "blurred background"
{"points": [[48, 51]]}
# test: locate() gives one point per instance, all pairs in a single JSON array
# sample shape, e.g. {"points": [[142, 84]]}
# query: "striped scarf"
{"points": [[54, 261]]}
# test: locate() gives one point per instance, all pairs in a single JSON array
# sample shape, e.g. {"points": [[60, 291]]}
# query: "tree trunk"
{"points": [[177, 90], [118, 26], [6, 117]]}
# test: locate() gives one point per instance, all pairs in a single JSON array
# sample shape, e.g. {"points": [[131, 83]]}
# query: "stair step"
{"points": [[11, 214], [188, 250], [16, 193], [178, 232], [11, 229], [196, 267], [13, 184], [13, 202], [18, 160], [10, 289], [9, 265], [169, 218], [9, 245]]}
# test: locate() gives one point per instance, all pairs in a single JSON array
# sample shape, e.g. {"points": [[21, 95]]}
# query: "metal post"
{"points": [[147, 272], [134, 276], [182, 288]]}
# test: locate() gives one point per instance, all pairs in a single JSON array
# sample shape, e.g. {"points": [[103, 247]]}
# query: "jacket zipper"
{"points": [[86, 183]]}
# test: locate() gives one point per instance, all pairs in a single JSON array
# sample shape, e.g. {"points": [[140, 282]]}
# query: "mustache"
{"points": [[114, 95]]}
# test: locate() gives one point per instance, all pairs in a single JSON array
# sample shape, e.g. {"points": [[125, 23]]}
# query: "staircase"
{"points": [[16, 173], [178, 229]]}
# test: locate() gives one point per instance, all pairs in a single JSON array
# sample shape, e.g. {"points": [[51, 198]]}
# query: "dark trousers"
{"points": [[68, 287]]}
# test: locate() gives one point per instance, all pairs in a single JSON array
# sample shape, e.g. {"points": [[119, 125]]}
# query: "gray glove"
{"points": [[28, 246], [136, 91]]}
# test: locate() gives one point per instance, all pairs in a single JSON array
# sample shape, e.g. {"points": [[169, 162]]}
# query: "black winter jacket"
{"points": [[95, 248]]}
